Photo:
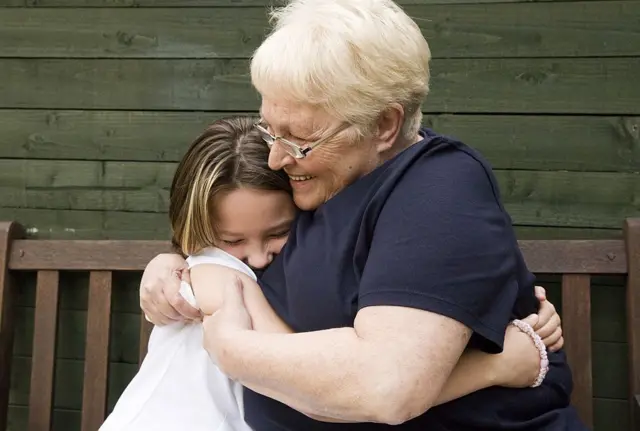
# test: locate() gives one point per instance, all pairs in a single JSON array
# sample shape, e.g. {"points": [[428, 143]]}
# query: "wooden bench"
{"points": [[575, 260]]}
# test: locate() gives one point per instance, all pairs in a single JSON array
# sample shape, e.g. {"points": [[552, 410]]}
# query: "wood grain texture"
{"points": [[533, 198], [9, 231], [576, 322], [632, 237], [64, 224], [94, 391], [577, 256], [558, 86], [209, 3], [44, 351], [454, 31], [572, 143], [90, 224]]}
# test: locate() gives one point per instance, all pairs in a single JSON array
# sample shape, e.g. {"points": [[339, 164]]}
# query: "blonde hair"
{"points": [[228, 155], [353, 58]]}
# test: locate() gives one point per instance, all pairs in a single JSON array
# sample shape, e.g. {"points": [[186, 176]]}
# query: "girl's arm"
{"points": [[209, 297], [475, 370]]}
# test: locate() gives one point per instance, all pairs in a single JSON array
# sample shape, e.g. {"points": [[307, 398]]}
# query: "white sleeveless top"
{"points": [[178, 387]]}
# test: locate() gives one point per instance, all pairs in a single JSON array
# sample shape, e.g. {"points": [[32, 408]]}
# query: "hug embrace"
{"points": [[337, 265]]}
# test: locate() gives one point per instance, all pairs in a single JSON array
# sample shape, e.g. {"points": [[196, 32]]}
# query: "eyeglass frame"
{"points": [[296, 150]]}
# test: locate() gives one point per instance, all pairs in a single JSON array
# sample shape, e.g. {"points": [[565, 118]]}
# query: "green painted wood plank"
{"points": [[74, 224], [610, 370], [588, 143], [453, 31], [556, 86], [533, 198], [74, 291], [72, 332], [608, 315], [542, 232], [63, 420], [101, 135], [68, 377], [610, 415], [57, 224], [212, 3]]}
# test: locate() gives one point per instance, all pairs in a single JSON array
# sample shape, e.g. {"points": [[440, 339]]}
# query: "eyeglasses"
{"points": [[291, 148]]}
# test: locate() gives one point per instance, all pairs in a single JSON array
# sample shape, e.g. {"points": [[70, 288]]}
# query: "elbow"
{"points": [[396, 402]]}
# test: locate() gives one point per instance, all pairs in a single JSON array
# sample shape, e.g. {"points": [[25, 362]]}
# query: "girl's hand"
{"points": [[519, 363], [548, 326]]}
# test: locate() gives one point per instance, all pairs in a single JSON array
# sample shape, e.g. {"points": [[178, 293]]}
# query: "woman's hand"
{"points": [[548, 326], [160, 299], [231, 318]]}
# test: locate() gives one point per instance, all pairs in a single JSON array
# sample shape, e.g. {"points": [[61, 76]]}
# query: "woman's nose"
{"points": [[278, 157]]}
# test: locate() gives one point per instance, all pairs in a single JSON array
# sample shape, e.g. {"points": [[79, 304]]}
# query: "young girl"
{"points": [[228, 208]]}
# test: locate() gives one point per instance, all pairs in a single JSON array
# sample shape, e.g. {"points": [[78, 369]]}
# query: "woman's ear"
{"points": [[389, 125]]}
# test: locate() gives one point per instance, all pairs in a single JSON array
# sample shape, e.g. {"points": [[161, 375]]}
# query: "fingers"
{"points": [[557, 346], [553, 340], [157, 318], [546, 313], [183, 309], [547, 329], [531, 319], [150, 308], [540, 293], [159, 287], [154, 303]]}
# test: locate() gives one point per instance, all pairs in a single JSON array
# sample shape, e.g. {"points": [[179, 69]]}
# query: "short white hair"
{"points": [[352, 58]]}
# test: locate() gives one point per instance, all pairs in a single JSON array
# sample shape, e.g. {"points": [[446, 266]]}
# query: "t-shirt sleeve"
{"points": [[443, 243]]}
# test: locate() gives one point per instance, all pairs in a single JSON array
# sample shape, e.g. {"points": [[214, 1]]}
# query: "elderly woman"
{"points": [[402, 258]]}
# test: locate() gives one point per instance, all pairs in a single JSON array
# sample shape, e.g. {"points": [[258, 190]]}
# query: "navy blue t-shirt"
{"points": [[425, 230]]}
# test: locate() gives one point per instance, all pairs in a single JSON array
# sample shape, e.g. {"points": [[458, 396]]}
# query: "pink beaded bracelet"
{"points": [[544, 360]]}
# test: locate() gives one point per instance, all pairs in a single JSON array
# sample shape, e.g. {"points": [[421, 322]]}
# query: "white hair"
{"points": [[352, 58]]}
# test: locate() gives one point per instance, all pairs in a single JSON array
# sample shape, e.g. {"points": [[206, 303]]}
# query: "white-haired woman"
{"points": [[402, 258]]}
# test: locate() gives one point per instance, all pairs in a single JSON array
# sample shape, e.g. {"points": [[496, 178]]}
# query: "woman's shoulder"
{"points": [[443, 152], [441, 166]]}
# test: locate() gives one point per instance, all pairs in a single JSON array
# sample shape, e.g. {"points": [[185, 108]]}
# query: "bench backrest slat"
{"points": [[576, 318], [542, 256], [96, 365], [44, 350]]}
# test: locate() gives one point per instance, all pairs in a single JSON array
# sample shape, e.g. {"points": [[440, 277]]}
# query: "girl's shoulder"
{"points": [[217, 256]]}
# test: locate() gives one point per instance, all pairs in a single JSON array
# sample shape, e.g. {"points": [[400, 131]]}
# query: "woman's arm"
{"points": [[516, 366]]}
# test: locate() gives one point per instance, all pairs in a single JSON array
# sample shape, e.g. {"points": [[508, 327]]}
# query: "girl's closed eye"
{"points": [[231, 242], [281, 234]]}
